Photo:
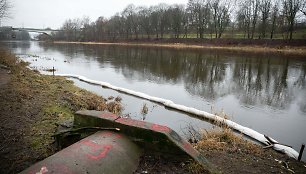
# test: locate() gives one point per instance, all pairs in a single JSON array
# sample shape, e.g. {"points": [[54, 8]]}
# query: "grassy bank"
{"points": [[31, 107], [233, 47]]}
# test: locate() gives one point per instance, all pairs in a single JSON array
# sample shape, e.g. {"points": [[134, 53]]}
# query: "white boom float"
{"points": [[168, 103]]}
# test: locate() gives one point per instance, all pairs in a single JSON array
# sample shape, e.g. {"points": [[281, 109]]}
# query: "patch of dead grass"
{"points": [[224, 139]]}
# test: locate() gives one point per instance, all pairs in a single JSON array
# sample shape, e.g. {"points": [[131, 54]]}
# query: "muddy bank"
{"points": [[297, 48]]}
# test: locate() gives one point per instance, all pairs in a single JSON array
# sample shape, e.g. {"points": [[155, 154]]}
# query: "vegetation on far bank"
{"points": [[248, 19], [235, 48]]}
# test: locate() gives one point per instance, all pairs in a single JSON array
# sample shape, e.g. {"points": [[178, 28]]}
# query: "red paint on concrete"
{"points": [[118, 136], [102, 154], [189, 149], [158, 133], [108, 116], [160, 128], [98, 151]]}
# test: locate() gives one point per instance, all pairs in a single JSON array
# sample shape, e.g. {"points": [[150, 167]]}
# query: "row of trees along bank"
{"points": [[251, 19]]}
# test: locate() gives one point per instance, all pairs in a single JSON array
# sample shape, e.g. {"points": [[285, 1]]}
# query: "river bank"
{"points": [[234, 46], [31, 107], [33, 104]]}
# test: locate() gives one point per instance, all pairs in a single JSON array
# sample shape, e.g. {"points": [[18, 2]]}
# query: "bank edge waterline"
{"points": [[295, 50], [168, 103]]}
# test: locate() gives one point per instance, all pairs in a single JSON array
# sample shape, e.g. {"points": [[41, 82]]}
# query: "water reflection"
{"points": [[263, 92], [22, 46], [262, 81], [259, 80]]}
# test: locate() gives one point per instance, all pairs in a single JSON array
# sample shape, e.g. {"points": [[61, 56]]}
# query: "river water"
{"points": [[262, 91]]}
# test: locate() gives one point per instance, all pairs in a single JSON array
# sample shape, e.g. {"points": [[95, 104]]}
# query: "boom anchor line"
{"points": [[268, 141]]}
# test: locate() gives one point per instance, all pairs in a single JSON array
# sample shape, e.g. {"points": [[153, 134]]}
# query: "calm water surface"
{"points": [[263, 92]]}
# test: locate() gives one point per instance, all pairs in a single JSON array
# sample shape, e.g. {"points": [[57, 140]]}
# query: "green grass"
{"points": [[43, 130], [298, 34]]}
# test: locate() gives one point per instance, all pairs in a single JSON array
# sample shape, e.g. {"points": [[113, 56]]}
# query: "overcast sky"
{"points": [[52, 13]]}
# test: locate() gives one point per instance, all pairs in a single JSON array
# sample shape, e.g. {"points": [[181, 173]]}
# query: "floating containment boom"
{"points": [[168, 103]]}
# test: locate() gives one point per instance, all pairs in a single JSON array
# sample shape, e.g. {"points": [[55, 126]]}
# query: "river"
{"points": [[261, 91]]}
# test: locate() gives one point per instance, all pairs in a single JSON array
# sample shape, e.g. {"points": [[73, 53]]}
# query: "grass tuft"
{"points": [[224, 139]]}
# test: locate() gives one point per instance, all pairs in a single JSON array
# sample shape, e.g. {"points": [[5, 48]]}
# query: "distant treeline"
{"points": [[251, 19], [6, 33]]}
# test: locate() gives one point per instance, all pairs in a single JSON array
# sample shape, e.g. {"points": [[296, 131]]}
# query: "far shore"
{"points": [[241, 48]]}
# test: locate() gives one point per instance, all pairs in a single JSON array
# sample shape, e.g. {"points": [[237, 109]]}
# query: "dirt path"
{"points": [[14, 120]]}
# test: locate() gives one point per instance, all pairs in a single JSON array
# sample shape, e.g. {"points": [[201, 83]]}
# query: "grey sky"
{"points": [[52, 13]]}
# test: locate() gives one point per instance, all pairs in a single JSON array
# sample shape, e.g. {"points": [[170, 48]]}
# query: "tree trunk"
{"points": [[291, 30], [201, 32]]}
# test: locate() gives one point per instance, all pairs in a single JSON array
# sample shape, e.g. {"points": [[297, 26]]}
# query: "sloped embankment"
{"points": [[31, 107]]}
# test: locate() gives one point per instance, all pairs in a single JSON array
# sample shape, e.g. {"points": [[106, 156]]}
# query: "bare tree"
{"points": [[265, 8], [101, 24], [187, 18], [176, 18], [155, 20], [144, 20], [290, 9], [254, 10], [215, 9], [72, 30], [201, 15], [86, 28], [4, 9], [248, 16], [244, 18], [116, 27], [220, 15], [131, 19], [274, 16], [163, 18], [68, 30]]}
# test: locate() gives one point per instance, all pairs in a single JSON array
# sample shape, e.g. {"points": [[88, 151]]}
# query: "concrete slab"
{"points": [[103, 152], [151, 136]]}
